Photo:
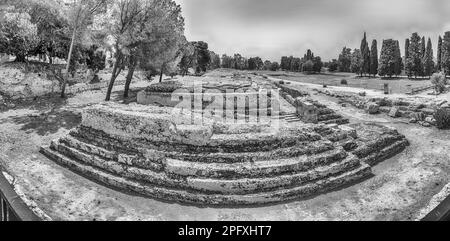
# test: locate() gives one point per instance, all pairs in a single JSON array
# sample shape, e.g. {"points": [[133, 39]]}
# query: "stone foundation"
{"points": [[142, 149]]}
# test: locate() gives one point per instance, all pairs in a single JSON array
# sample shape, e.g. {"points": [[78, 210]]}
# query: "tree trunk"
{"points": [[129, 79], [161, 74], [69, 59], [115, 73], [20, 58]]}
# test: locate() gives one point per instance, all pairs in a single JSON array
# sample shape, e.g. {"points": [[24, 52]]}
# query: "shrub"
{"points": [[165, 87], [439, 81], [344, 82], [442, 116]]}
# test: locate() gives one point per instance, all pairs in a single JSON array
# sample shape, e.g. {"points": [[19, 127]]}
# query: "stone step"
{"points": [[229, 143], [261, 168], [231, 185], [367, 148], [339, 121], [385, 153], [184, 196], [262, 184], [327, 117], [155, 155], [131, 159]]}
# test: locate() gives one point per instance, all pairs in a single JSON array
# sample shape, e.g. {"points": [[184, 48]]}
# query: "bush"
{"points": [[442, 117], [439, 81], [344, 82], [165, 87]]}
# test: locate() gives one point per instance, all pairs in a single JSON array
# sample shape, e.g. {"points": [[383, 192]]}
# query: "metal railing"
{"points": [[12, 207]]}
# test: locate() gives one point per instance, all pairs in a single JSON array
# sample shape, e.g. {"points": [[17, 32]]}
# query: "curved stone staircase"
{"points": [[226, 169]]}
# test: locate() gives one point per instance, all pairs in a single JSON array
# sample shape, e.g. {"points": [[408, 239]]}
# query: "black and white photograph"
{"points": [[224, 111]]}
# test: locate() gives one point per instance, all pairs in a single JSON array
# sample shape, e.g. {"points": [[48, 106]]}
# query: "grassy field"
{"points": [[398, 86]]}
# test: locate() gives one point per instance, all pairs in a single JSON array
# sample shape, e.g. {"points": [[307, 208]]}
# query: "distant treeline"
{"points": [[418, 60]]}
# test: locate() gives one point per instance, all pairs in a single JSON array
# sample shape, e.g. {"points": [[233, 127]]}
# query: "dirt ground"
{"points": [[400, 188]]}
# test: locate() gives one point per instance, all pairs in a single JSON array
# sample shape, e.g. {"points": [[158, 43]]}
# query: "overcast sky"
{"points": [[273, 28]]}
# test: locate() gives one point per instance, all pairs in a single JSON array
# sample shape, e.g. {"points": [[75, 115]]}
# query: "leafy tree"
{"points": [[18, 35], [356, 62], [267, 65], [439, 81], [227, 62], [52, 28], [374, 58], [308, 66], [345, 60], [390, 59], [333, 65], [275, 66], [428, 59], [296, 64], [214, 62], [187, 59], [202, 56], [148, 33], [317, 67]]}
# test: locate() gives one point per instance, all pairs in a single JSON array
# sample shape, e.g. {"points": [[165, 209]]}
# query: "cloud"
{"points": [[273, 28]]}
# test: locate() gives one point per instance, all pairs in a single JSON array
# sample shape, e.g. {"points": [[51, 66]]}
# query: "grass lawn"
{"points": [[397, 85]]}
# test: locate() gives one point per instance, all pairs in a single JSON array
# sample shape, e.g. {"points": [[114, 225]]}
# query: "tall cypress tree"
{"points": [[374, 58], [423, 52], [407, 67], [365, 55], [398, 58], [429, 63], [445, 64], [439, 54], [414, 61]]}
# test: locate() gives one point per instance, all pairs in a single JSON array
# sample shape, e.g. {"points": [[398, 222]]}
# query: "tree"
{"points": [[227, 61], [407, 67], [18, 35], [356, 62], [202, 56], [365, 56], [214, 62], [296, 64], [148, 33], [80, 16], [398, 57], [345, 60], [317, 64], [414, 61], [439, 54], [390, 59], [428, 59], [275, 66], [374, 58], [446, 54], [308, 66], [439, 81], [333, 65], [187, 59], [267, 65], [53, 30]]}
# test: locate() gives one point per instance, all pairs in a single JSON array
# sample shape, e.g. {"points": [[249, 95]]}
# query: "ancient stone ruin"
{"points": [[154, 151]]}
